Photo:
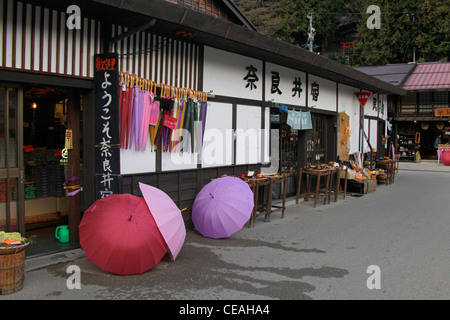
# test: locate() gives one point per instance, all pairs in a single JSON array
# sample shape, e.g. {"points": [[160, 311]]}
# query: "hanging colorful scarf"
{"points": [[203, 117], [145, 119], [180, 142], [154, 123]]}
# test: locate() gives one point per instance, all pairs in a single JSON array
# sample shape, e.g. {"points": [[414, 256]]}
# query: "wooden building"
{"points": [[47, 85], [423, 113]]}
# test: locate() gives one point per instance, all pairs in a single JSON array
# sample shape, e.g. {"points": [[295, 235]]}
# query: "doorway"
{"points": [[321, 140], [11, 160], [34, 140]]}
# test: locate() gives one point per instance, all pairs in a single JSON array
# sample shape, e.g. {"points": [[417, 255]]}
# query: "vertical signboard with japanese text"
{"points": [[107, 142]]}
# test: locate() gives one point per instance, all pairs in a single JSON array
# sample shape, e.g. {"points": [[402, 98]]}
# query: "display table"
{"points": [[389, 167], [345, 181], [441, 149], [316, 174], [397, 162], [266, 207], [337, 174]]}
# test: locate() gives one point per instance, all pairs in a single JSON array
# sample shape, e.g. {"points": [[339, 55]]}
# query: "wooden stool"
{"points": [[388, 166], [318, 191], [397, 162], [252, 186], [263, 209], [335, 187], [345, 180], [282, 207]]}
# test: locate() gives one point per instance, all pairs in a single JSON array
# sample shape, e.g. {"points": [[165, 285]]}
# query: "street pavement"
{"points": [[388, 245]]}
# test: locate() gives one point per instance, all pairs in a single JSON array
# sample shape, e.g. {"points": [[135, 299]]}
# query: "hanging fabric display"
{"points": [[282, 108], [174, 119], [306, 120], [203, 119], [299, 120]]}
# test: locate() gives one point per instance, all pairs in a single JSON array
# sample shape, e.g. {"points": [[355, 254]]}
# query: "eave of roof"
{"points": [[395, 74], [231, 37], [239, 15]]}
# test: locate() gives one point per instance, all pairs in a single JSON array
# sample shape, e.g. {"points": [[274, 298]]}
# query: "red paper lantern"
{"points": [[446, 158]]}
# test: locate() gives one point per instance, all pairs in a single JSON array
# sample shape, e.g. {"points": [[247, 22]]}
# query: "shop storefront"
{"points": [[64, 150], [422, 114], [423, 117]]}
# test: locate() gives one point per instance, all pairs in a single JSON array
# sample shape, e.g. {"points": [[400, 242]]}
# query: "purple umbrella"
{"points": [[222, 207]]}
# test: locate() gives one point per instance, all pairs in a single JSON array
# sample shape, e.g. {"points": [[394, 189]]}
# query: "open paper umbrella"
{"points": [[167, 216], [120, 236], [222, 207]]}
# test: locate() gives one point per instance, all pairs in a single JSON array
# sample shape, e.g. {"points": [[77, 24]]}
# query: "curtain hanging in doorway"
{"points": [[172, 118], [300, 120]]}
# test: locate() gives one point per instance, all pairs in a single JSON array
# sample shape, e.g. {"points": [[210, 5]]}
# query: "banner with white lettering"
{"points": [[107, 140]]}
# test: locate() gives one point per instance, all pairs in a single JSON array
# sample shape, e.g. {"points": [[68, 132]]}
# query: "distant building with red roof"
{"points": [[425, 110]]}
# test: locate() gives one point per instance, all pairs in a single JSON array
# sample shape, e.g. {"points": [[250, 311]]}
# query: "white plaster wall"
{"points": [[327, 94], [224, 74], [287, 78], [348, 103], [218, 139]]}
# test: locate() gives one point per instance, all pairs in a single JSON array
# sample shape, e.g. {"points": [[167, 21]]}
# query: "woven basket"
{"points": [[12, 263]]}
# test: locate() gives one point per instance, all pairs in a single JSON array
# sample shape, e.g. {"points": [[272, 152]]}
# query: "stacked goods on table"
{"points": [[29, 190], [252, 175], [49, 179], [56, 179], [42, 181], [322, 166], [384, 164], [3, 190], [8, 239], [44, 173], [12, 154]]}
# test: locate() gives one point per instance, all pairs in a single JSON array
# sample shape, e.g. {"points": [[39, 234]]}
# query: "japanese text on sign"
{"points": [[315, 91], [106, 64], [251, 77], [106, 138], [107, 152]]}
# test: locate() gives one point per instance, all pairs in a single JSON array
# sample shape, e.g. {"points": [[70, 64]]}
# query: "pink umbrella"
{"points": [[222, 207], [167, 216]]}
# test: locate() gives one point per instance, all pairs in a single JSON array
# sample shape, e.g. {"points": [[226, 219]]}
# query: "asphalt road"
{"points": [[401, 230]]}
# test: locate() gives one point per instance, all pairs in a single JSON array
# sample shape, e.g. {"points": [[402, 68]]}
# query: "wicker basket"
{"points": [[12, 263]]}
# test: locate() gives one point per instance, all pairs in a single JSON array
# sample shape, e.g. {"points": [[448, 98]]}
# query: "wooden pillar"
{"points": [[73, 166]]}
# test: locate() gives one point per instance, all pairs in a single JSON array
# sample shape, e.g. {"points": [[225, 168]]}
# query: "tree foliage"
{"points": [[407, 26], [287, 19]]}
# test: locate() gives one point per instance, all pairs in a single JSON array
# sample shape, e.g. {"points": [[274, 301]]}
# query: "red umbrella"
{"points": [[120, 236]]}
